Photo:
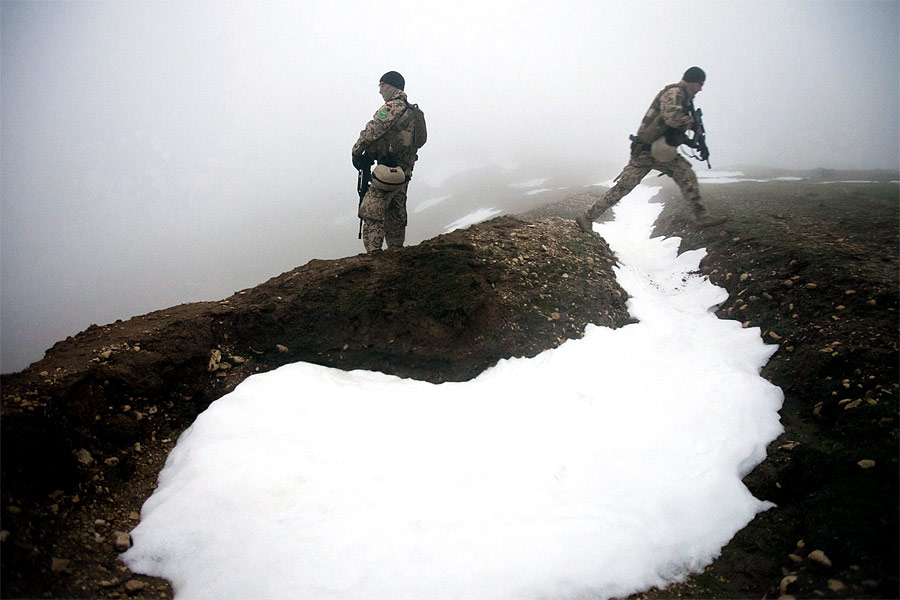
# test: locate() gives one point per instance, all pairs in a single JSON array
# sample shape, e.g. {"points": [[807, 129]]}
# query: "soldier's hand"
{"points": [[362, 161]]}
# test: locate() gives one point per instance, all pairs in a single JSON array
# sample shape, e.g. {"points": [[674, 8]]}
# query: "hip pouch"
{"points": [[388, 178]]}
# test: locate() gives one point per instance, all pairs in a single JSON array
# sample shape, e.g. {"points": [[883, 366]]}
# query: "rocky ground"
{"points": [[86, 430]]}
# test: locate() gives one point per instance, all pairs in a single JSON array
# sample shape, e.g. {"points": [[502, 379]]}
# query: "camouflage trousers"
{"points": [[384, 218], [638, 167]]}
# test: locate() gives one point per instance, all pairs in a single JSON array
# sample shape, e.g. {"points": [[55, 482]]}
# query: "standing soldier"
{"points": [[656, 147], [392, 138]]}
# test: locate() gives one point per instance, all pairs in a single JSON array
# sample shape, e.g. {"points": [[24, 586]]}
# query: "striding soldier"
{"points": [[655, 146]]}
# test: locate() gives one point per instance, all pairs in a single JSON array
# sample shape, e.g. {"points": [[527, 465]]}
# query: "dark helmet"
{"points": [[393, 78], [695, 75]]}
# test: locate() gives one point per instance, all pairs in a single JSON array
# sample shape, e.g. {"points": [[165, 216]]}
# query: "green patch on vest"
{"points": [[382, 113]]}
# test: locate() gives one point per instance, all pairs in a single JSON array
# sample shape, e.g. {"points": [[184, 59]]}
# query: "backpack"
{"points": [[407, 132], [420, 131]]}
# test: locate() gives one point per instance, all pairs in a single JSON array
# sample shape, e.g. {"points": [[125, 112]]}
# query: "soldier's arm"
{"points": [[672, 110], [382, 120]]}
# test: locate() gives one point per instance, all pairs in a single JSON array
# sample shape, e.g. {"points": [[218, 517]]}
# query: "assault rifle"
{"points": [[363, 179], [698, 141]]}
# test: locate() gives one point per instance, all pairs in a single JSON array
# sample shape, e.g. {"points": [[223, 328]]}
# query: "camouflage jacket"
{"points": [[388, 136], [670, 108]]}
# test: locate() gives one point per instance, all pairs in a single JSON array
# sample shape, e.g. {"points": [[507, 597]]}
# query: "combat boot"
{"points": [[708, 221], [585, 224], [702, 218]]}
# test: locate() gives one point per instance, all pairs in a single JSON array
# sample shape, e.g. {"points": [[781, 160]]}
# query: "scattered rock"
{"points": [[215, 356], [122, 540], [786, 582], [819, 557], [60, 565], [83, 456], [134, 585]]}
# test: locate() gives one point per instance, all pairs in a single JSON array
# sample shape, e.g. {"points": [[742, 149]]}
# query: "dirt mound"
{"points": [[813, 264], [86, 429]]}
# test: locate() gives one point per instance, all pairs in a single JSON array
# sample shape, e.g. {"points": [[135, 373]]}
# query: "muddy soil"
{"points": [[813, 265]]}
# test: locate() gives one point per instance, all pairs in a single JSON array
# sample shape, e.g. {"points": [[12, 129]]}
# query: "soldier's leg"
{"points": [[627, 180], [372, 212], [395, 218], [680, 170]]}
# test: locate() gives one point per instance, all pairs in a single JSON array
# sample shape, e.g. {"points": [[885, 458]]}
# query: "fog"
{"points": [[158, 153]]}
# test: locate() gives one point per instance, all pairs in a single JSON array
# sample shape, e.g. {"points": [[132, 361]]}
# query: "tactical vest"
{"points": [[397, 147], [652, 126]]}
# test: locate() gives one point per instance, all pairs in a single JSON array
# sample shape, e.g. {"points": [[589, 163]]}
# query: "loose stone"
{"points": [[786, 582], [215, 357], [133, 585], [84, 457], [60, 565], [122, 540]]}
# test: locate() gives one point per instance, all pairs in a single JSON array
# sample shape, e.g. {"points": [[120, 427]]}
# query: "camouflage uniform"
{"points": [[388, 139], [670, 109]]}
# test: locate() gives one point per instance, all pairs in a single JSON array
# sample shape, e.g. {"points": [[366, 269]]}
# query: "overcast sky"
{"points": [[156, 153]]}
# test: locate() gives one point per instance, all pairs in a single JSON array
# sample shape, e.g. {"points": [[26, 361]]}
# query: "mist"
{"points": [[159, 153]]}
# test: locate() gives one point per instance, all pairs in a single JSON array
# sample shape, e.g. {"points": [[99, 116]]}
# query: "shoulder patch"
{"points": [[382, 113]]}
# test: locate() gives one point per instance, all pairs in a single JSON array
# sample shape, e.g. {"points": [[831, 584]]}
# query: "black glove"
{"points": [[361, 162]]}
